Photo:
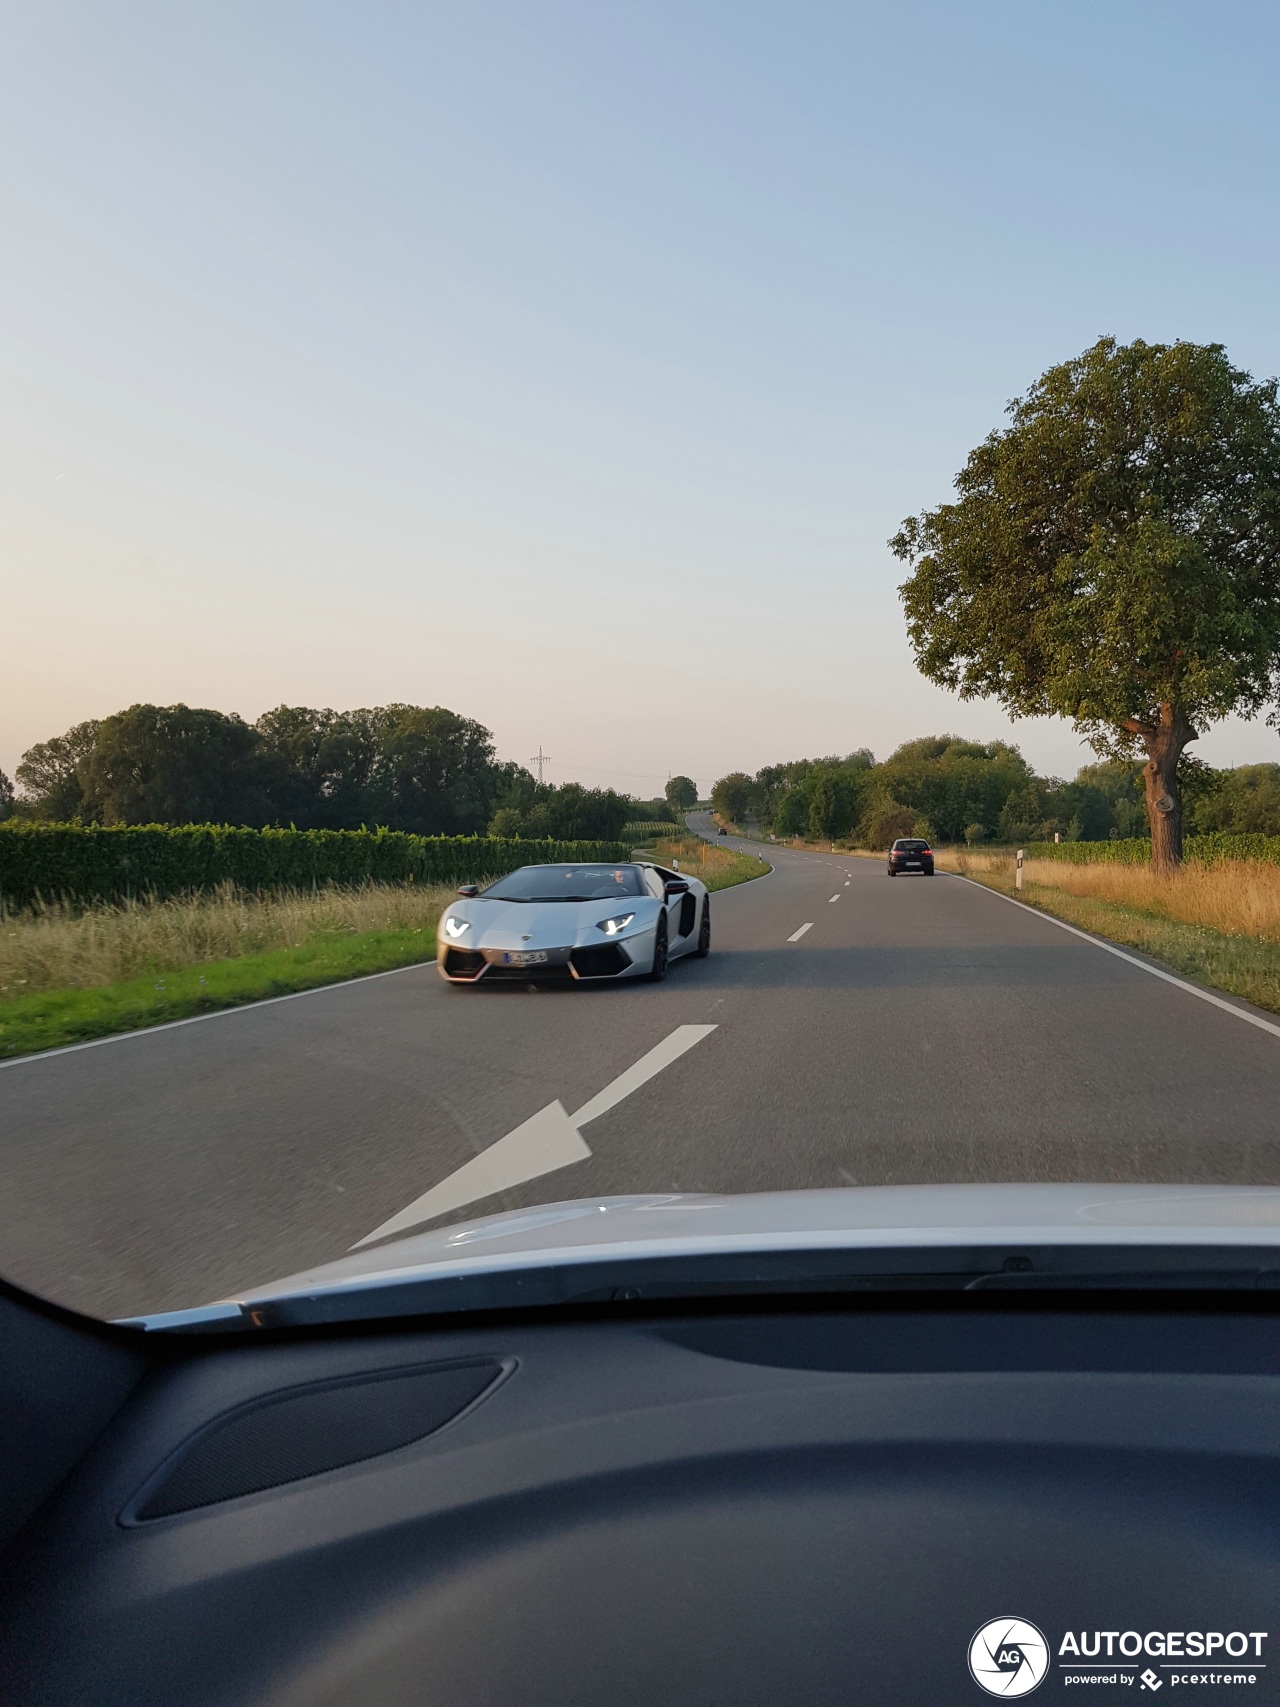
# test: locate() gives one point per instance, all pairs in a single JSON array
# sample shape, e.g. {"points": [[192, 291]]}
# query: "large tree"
{"points": [[953, 784], [319, 764], [433, 772], [49, 774], [731, 796], [174, 764], [1113, 556], [681, 793]]}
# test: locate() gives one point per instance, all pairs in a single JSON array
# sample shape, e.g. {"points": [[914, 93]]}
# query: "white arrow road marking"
{"points": [[546, 1141], [796, 935], [662, 1055]]}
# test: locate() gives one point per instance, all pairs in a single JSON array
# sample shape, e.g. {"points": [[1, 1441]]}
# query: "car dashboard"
{"points": [[814, 1502]]}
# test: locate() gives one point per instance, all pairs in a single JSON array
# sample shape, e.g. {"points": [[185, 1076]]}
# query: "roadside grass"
{"points": [[1219, 924], [68, 976], [718, 868]]}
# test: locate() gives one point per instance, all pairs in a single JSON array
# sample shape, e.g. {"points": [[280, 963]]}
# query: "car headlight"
{"points": [[611, 927], [456, 927]]}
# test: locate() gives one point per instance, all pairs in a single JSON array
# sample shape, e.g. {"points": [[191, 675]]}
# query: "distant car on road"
{"points": [[722, 831], [574, 921], [907, 854]]}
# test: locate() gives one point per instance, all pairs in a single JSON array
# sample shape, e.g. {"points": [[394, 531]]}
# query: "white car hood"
{"points": [[544, 924], [907, 1217]]}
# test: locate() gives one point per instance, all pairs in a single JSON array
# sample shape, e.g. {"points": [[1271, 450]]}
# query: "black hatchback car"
{"points": [[908, 855]]}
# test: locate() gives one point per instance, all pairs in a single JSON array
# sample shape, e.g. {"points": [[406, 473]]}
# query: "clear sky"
{"points": [[569, 364]]}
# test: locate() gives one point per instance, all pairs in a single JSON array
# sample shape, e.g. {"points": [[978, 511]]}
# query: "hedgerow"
{"points": [[86, 863], [1201, 850]]}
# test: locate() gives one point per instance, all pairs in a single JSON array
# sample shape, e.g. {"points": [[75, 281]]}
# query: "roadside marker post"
{"points": [[1017, 876]]}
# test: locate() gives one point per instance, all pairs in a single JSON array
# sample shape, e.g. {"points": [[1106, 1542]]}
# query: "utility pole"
{"points": [[540, 759]]}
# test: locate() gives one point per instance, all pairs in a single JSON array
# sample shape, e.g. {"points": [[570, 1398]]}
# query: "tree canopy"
{"points": [[48, 773], [681, 793], [731, 796], [948, 789], [170, 764], [568, 812], [1244, 801], [422, 769], [1113, 557]]}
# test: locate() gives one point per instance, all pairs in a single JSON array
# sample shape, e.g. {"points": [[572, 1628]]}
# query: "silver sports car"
{"points": [[574, 921]]}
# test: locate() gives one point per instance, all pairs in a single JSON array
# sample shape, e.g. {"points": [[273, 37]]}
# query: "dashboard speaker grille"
{"points": [[289, 1436]]}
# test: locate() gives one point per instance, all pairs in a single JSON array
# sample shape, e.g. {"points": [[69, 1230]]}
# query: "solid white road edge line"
{"points": [[1120, 954], [545, 1142], [796, 935], [218, 1013]]}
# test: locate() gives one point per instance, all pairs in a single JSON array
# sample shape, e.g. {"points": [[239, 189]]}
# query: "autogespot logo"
{"points": [[1008, 1657]]}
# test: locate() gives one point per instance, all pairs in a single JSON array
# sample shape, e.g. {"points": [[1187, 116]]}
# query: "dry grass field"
{"points": [[717, 867], [59, 948], [1237, 898], [1217, 923]]}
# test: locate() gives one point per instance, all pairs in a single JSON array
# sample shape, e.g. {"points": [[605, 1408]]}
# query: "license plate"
{"points": [[524, 957]]}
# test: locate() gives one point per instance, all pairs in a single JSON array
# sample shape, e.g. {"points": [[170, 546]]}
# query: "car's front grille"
{"points": [[463, 962], [604, 961]]}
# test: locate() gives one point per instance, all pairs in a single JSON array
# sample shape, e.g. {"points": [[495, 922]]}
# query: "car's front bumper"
{"points": [[628, 956]]}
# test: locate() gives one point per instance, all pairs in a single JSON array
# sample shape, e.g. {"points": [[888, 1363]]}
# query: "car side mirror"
{"points": [[468, 889], [676, 887]]}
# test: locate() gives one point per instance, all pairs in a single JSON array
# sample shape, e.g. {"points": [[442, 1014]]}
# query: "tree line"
{"points": [[421, 769], [951, 790]]}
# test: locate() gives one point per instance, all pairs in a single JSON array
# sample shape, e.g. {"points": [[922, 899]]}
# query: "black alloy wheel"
{"points": [[659, 970], [704, 930]]}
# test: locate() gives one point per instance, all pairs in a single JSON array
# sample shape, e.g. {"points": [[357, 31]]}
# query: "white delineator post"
{"points": [[1017, 876]]}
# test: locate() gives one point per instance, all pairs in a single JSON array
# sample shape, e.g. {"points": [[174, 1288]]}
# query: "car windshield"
{"points": [[566, 883], [632, 626]]}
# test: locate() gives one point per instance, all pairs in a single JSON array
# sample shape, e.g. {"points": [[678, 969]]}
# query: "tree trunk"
{"points": [[1165, 742]]}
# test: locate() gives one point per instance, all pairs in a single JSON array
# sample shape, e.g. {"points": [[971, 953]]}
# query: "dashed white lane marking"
{"points": [[835, 897], [1110, 948], [796, 935], [546, 1141], [846, 882]]}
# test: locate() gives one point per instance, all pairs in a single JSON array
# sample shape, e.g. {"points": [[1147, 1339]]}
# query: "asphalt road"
{"points": [[919, 1030]]}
